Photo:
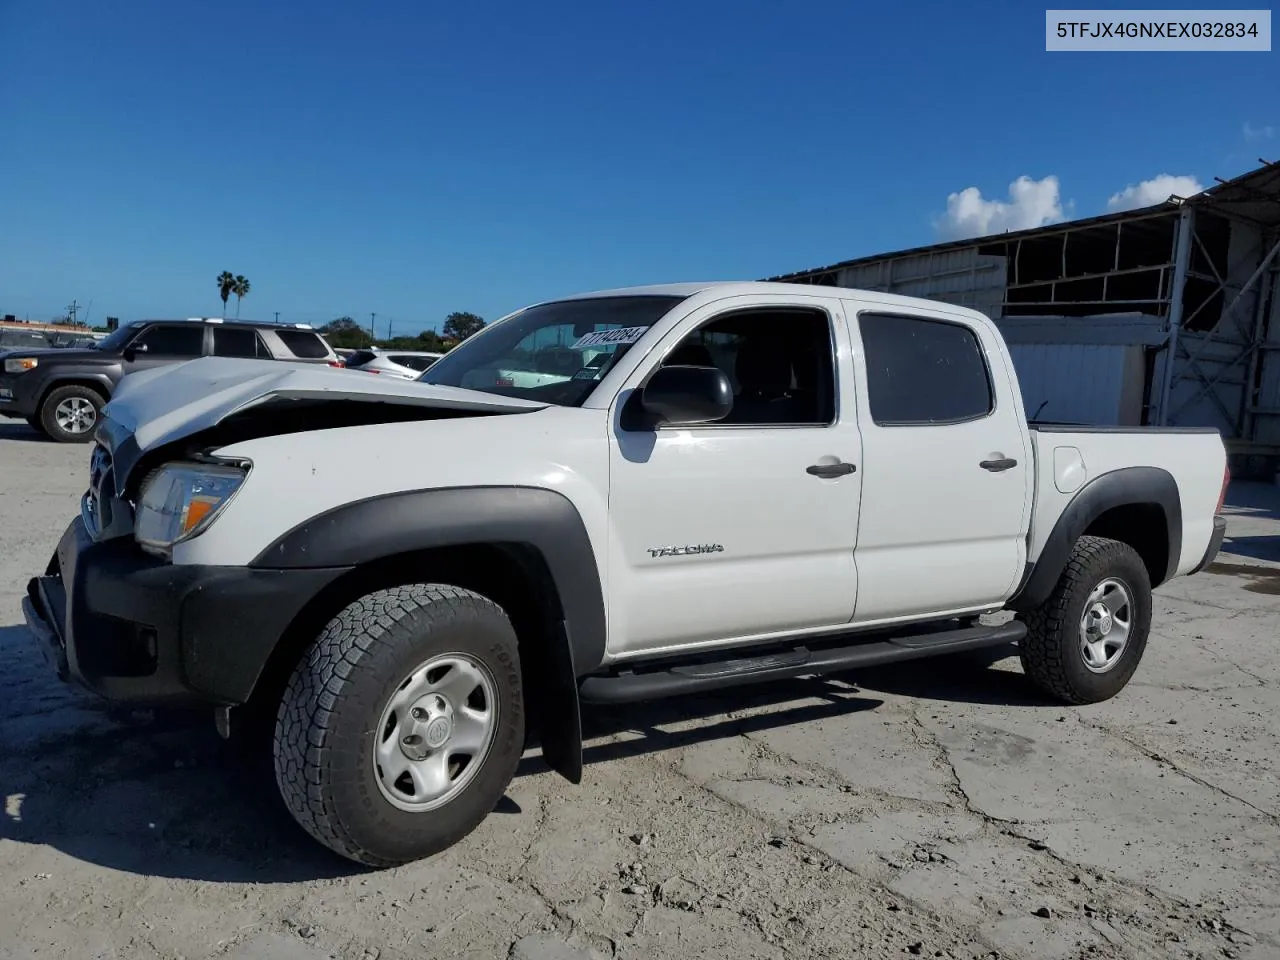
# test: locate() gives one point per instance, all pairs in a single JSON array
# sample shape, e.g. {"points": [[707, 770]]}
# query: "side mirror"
{"points": [[680, 394], [131, 352]]}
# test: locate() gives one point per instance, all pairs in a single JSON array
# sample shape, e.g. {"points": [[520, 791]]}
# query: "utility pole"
{"points": [[71, 312], [390, 320]]}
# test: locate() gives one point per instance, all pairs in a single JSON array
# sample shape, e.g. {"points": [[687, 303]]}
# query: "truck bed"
{"points": [[1187, 463]]}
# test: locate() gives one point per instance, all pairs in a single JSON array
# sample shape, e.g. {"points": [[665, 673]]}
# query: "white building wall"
{"points": [[962, 277], [1079, 383]]}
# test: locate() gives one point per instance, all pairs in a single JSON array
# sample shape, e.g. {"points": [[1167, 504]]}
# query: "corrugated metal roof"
{"points": [[1254, 195]]}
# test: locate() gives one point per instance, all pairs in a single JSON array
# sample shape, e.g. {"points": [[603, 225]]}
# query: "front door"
{"points": [[744, 527], [165, 343]]}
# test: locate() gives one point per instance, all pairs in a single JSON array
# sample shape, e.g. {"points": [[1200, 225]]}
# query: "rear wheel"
{"points": [[70, 414], [403, 724], [1084, 643]]}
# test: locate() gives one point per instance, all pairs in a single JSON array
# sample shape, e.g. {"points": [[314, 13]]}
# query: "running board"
{"points": [[628, 686]]}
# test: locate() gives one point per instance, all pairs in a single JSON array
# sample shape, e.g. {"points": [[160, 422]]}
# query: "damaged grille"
{"points": [[97, 504]]}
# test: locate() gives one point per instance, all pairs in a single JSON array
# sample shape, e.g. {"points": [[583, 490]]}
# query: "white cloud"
{"points": [[1253, 134], [1031, 203], [1156, 190]]}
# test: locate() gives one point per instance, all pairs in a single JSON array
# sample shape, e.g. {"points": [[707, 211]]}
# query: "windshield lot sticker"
{"points": [[602, 337]]}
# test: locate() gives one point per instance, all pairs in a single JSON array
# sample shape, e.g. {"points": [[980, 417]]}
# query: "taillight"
{"points": [[373, 371], [335, 363], [1226, 481], [504, 382]]}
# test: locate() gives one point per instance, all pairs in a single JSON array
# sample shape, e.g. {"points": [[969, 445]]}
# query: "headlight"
{"points": [[180, 500], [20, 364]]}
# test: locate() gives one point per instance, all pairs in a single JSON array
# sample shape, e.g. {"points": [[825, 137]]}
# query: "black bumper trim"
{"points": [[1215, 544], [135, 628]]}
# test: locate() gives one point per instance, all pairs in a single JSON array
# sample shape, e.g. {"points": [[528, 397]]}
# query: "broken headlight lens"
{"points": [[179, 500]]}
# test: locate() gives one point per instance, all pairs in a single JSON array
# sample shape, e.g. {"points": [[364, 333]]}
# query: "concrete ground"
{"points": [[937, 809]]}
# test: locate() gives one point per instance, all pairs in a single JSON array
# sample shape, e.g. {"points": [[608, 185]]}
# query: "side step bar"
{"points": [[627, 686]]}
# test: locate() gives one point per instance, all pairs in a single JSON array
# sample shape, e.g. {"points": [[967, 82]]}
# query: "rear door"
{"points": [[946, 487]]}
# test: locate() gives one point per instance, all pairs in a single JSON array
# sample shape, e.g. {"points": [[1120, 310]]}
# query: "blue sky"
{"points": [[415, 158]]}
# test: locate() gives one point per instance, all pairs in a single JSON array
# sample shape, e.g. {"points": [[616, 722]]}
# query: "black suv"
{"points": [[61, 392]]}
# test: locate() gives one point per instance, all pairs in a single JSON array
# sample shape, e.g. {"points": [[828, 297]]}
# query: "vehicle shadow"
{"points": [[1254, 499], [158, 793], [17, 430], [1256, 548]]}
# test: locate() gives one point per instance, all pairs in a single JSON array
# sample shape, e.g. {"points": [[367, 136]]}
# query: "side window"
{"points": [[923, 371], [781, 364], [186, 340], [302, 343], [230, 342]]}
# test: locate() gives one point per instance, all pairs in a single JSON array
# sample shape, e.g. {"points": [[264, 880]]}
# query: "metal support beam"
{"points": [[1181, 260], [1266, 293], [1252, 346]]}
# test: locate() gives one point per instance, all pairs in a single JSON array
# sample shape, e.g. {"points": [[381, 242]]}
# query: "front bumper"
{"points": [[135, 628], [19, 394]]}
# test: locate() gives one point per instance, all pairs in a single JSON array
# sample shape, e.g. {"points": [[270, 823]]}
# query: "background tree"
{"points": [[344, 333], [241, 289], [226, 287], [459, 326]]}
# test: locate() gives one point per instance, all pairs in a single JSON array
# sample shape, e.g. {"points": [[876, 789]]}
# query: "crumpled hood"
{"points": [[165, 404]]}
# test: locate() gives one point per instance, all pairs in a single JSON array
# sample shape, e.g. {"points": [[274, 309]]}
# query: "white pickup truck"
{"points": [[413, 581]]}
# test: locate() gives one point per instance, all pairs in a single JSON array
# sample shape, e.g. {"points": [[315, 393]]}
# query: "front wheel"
{"points": [[403, 724], [70, 414], [1084, 643]]}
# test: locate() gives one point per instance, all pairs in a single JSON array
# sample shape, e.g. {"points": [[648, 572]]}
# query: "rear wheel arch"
{"points": [[1138, 506]]}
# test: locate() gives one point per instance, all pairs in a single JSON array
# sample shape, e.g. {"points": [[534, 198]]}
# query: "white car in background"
{"points": [[405, 364]]}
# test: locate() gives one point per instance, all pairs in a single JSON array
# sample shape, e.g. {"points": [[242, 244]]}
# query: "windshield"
{"points": [[117, 338], [554, 352]]}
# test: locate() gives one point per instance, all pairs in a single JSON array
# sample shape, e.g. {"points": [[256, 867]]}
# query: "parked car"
{"points": [[61, 392], [406, 364], [760, 481], [12, 338]]}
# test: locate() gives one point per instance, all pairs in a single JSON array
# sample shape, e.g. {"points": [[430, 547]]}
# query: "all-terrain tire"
{"points": [[86, 401], [1053, 653], [328, 719]]}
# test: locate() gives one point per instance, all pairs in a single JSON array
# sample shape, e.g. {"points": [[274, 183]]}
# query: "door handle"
{"points": [[995, 466], [831, 469]]}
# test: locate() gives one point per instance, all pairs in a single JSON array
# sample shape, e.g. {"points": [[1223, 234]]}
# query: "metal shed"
{"points": [[1095, 308]]}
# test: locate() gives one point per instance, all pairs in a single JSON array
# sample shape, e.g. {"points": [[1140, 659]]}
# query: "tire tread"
{"points": [[316, 686], [1043, 651]]}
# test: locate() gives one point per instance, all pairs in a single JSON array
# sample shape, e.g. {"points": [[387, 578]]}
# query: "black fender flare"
{"points": [[69, 376], [544, 520], [1128, 486]]}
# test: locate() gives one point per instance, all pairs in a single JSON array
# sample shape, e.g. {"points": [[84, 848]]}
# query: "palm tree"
{"points": [[226, 287], [240, 287]]}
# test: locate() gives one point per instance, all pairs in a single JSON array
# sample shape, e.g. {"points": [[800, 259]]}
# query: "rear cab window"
{"points": [[923, 371]]}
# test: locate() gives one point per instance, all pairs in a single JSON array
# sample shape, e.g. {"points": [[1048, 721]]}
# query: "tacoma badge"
{"points": [[685, 551]]}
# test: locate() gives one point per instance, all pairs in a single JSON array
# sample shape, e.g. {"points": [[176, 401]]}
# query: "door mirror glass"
{"points": [[682, 394], [131, 352]]}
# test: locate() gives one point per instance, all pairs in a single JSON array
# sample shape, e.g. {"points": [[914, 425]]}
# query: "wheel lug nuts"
{"points": [[412, 740], [418, 713]]}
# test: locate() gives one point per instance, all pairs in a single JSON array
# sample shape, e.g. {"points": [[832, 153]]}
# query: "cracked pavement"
{"points": [[938, 808]]}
